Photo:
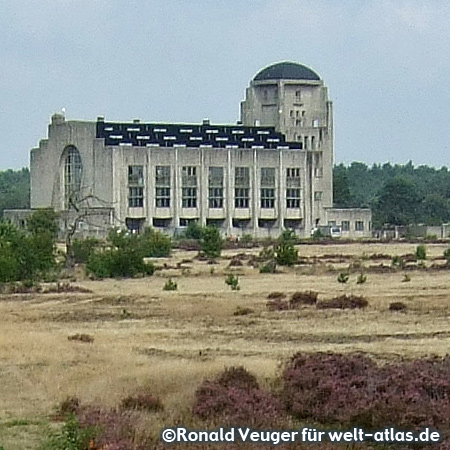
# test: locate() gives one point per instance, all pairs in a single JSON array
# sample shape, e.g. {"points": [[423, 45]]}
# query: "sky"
{"points": [[386, 63]]}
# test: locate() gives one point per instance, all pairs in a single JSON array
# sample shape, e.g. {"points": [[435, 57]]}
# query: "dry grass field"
{"points": [[169, 341]]}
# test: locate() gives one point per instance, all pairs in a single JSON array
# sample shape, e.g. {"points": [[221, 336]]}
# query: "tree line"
{"points": [[397, 194]]}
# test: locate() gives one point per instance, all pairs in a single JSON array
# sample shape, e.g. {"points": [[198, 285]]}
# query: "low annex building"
{"points": [[269, 172]]}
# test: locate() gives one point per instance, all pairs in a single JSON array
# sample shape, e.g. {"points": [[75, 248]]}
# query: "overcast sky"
{"points": [[386, 63]]}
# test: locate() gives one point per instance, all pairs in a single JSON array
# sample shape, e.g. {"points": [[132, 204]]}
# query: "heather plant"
{"points": [[142, 402], [343, 302], [277, 304], [234, 398], [397, 306], [303, 298], [276, 294], [352, 390]]}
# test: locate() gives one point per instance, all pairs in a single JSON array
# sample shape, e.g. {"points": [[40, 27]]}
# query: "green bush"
{"points": [[421, 252], [70, 437], [83, 248], [25, 256], [154, 244], [119, 262], [285, 252], [211, 242], [170, 285], [232, 281], [269, 267], [194, 231], [343, 277]]}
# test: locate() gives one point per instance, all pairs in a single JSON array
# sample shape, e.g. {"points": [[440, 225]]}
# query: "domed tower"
{"points": [[293, 98]]}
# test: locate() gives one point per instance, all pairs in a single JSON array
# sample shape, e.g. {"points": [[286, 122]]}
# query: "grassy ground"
{"points": [[145, 337]]}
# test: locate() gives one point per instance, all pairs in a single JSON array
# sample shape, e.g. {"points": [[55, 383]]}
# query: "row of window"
{"points": [[215, 187], [215, 198], [345, 225]]}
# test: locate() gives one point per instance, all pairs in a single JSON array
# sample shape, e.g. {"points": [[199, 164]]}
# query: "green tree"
{"points": [[285, 252], [341, 188], [43, 221], [211, 242], [398, 202]]}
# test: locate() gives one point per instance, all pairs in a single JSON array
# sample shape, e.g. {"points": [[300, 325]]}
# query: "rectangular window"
{"points": [[267, 187], [242, 187], [318, 196], [215, 185], [162, 182], [135, 186], [135, 197], [293, 198], [359, 225], [345, 225], [189, 187], [135, 175]]}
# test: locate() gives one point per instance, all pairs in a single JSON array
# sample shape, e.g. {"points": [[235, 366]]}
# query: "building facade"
{"points": [[269, 172]]}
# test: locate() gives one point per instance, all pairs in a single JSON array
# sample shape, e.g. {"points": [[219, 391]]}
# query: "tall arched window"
{"points": [[73, 169]]}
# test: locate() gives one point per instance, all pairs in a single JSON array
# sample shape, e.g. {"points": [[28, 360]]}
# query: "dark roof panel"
{"points": [[191, 135], [286, 71]]}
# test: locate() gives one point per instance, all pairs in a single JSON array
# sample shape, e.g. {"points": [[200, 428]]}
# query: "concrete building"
{"points": [[271, 171]]}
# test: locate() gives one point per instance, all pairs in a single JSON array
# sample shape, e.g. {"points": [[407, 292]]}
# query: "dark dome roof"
{"points": [[286, 71]]}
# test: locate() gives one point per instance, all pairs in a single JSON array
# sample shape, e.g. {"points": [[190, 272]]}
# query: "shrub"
{"points": [[274, 295], [353, 390], [269, 267], [232, 281], [68, 406], [235, 397], [170, 285], [71, 437], [83, 249], [81, 337], [343, 277], [303, 298], [277, 304], [397, 306], [240, 311], [361, 278], [447, 255], [266, 254], [193, 231], [142, 402], [154, 244], [119, 262], [421, 252], [25, 256], [327, 387], [318, 235], [114, 428], [406, 278], [247, 238], [211, 242], [285, 252], [397, 261], [343, 302]]}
